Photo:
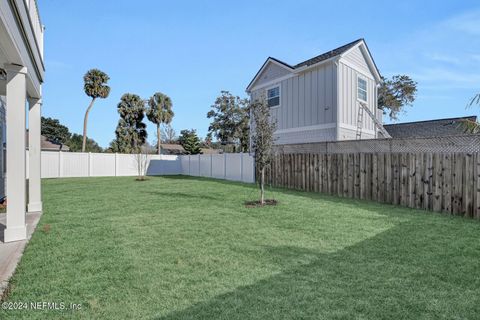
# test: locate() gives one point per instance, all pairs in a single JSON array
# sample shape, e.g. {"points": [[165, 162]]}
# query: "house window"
{"points": [[361, 89], [273, 97]]}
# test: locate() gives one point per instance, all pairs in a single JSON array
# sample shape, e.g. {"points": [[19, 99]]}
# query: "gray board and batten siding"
{"points": [[311, 92]]}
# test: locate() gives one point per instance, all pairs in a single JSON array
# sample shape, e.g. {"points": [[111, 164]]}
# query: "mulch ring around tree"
{"points": [[256, 204]]}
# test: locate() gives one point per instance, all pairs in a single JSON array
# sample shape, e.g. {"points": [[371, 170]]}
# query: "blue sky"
{"points": [[191, 50]]}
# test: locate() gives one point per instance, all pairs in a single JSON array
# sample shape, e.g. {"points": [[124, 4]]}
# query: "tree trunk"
{"points": [[159, 141], [85, 120], [262, 189]]}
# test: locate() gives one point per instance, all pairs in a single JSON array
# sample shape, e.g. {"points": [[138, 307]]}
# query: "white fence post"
{"points": [[241, 166], [211, 165], [60, 164], [116, 164], [90, 164], [224, 165]]}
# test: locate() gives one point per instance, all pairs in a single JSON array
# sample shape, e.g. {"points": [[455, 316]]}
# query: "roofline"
{"points": [[297, 68], [279, 62], [423, 121], [361, 41]]}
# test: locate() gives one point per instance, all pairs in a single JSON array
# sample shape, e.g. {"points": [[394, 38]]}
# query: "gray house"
{"points": [[320, 99]]}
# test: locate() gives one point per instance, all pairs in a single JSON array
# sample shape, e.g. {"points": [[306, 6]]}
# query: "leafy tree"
{"points": [[190, 141], [131, 131], [54, 131], [262, 139], [76, 142], [230, 120], [160, 112], [396, 93], [168, 134], [95, 86]]}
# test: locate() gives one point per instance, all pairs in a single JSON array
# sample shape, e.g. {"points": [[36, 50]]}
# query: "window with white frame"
{"points": [[361, 89], [273, 97]]}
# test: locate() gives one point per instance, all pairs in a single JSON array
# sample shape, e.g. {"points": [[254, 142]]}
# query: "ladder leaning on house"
{"points": [[364, 108]]}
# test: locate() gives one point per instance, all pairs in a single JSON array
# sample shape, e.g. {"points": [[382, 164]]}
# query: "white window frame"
{"points": [[279, 86], [360, 77]]}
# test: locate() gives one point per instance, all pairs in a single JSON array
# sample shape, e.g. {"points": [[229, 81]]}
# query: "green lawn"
{"points": [[186, 248]]}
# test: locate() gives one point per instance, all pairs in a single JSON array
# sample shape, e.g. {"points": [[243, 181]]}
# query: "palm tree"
{"points": [[160, 112], [475, 100], [470, 126], [95, 86]]}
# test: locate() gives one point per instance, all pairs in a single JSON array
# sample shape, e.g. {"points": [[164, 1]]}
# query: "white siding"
{"points": [[357, 59], [308, 99], [348, 111], [271, 72]]}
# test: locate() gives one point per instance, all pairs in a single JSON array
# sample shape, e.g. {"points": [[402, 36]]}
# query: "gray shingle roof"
{"points": [[327, 55], [430, 128]]}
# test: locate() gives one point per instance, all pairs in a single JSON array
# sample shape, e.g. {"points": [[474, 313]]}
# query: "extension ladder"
{"points": [[364, 108]]}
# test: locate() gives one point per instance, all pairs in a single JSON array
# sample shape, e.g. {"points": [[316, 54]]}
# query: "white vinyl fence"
{"points": [[228, 166]]}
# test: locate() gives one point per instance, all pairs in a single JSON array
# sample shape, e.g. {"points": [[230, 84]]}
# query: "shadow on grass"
{"points": [[406, 272], [423, 267]]}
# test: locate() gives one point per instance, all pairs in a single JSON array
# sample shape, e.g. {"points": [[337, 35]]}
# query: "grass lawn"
{"points": [[186, 248]]}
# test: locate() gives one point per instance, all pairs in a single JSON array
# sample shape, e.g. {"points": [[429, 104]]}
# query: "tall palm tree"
{"points": [[160, 112], [95, 86]]}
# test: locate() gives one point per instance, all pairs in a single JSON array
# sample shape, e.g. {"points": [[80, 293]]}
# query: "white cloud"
{"points": [[442, 57], [468, 22]]}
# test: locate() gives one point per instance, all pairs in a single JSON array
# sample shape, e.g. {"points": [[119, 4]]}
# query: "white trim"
{"points": [[337, 67], [264, 66], [362, 77], [354, 128], [307, 128], [368, 59], [365, 73], [279, 86], [272, 82]]}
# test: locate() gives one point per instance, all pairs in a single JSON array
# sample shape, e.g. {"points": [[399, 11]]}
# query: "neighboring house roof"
{"points": [[176, 149], [211, 151], [429, 128], [337, 52], [173, 149], [48, 145]]}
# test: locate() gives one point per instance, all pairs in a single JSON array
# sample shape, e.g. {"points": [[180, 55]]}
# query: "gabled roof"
{"points": [[264, 65], [429, 128], [329, 54], [318, 59]]}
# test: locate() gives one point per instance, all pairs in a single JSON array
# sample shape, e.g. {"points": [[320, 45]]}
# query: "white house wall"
{"points": [[271, 72], [308, 104], [348, 111], [357, 59]]}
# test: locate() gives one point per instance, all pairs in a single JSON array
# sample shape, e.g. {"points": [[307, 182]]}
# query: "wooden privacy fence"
{"points": [[432, 181]]}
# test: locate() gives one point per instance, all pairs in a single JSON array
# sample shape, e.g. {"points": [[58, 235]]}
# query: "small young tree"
{"points": [[141, 160], [190, 141], [262, 139]]}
